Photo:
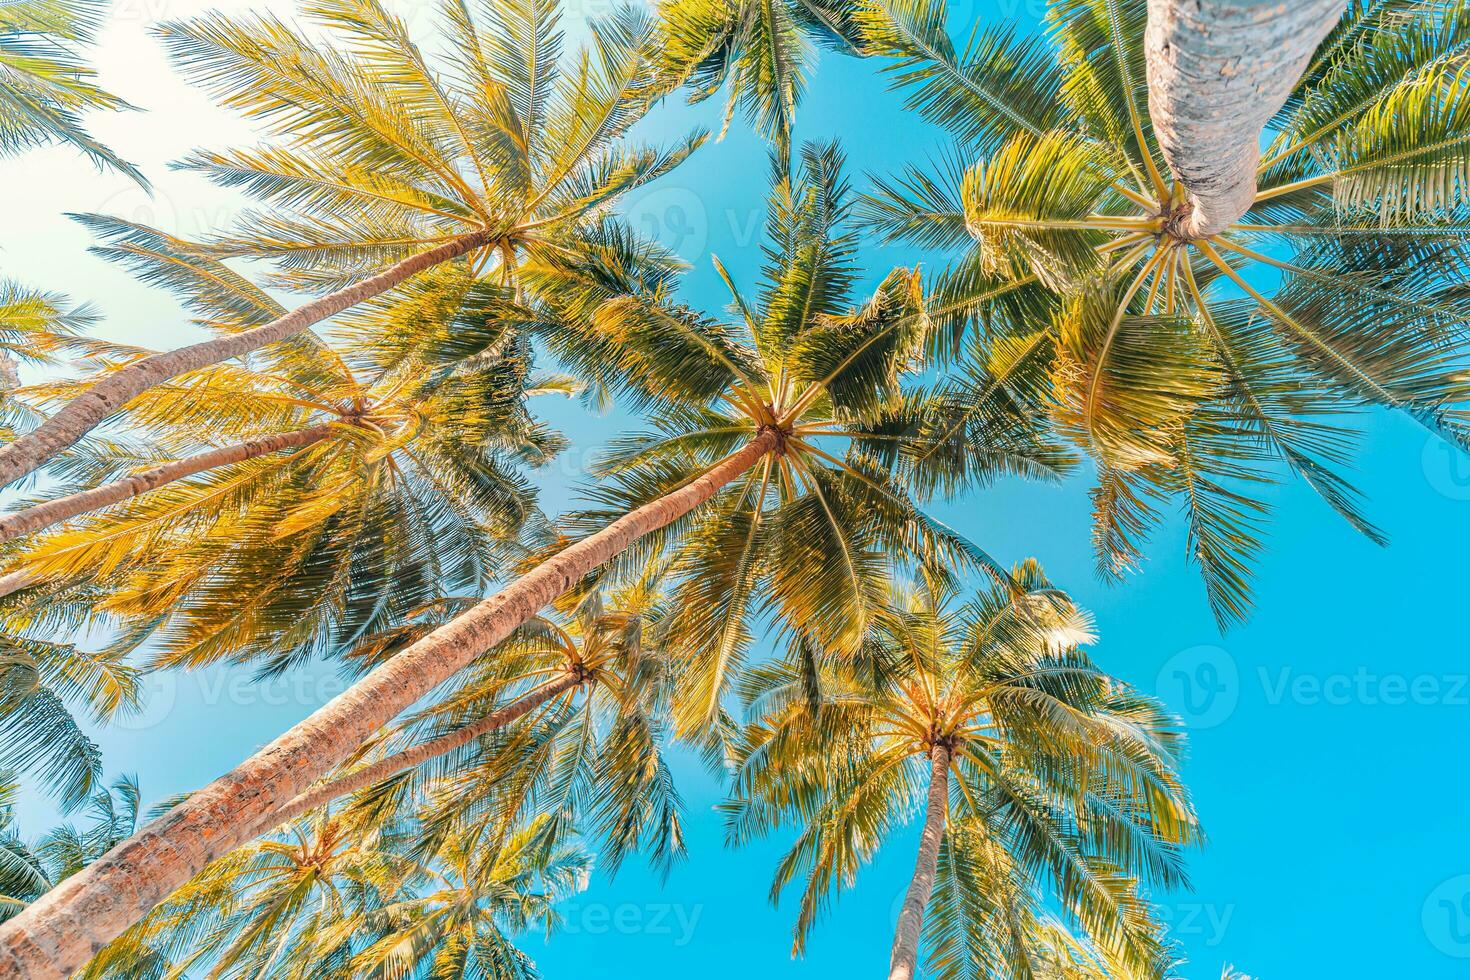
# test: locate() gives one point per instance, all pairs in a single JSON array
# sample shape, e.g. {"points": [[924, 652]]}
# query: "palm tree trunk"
{"points": [[85, 412], [68, 925], [15, 581], [52, 511], [1218, 70], [418, 754], [903, 963]]}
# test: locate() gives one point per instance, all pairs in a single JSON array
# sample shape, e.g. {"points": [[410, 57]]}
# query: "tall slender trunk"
{"points": [[53, 511], [1218, 70], [86, 411], [418, 754], [68, 925], [903, 963]]}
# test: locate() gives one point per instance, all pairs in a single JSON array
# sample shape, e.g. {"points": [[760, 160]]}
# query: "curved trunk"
{"points": [[53, 511], [68, 925], [1218, 70], [903, 964], [86, 411], [418, 754]]}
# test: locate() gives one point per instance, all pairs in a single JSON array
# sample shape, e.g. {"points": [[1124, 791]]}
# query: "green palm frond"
{"points": [[46, 85], [1068, 240]]}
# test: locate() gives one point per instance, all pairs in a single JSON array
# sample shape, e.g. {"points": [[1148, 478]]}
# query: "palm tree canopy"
{"points": [[46, 86], [1191, 368], [1064, 785], [418, 488], [763, 51], [809, 535], [378, 149]]}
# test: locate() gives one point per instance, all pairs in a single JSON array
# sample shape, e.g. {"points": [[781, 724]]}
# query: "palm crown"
{"points": [[762, 51], [809, 533], [1058, 779], [1176, 361], [411, 481], [380, 151]]}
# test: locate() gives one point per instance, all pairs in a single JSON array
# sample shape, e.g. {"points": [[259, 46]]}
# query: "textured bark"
{"points": [[14, 582], [86, 411], [418, 754], [53, 511], [1218, 70], [68, 925], [903, 964]]}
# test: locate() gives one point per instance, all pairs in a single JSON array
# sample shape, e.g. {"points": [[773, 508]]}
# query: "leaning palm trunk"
{"points": [[53, 511], [1218, 70], [85, 412], [67, 926], [419, 754], [902, 965]]}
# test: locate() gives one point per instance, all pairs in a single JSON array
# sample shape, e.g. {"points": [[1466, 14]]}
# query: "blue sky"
{"points": [[1327, 734]]}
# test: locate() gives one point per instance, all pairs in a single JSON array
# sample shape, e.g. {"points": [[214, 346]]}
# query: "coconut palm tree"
{"points": [[35, 328], [46, 86], [385, 163], [1192, 365], [565, 720], [22, 875], [28, 870], [42, 686], [1037, 774], [764, 52], [762, 399], [345, 490], [334, 896]]}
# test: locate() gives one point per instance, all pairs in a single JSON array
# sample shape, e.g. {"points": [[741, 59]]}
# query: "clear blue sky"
{"points": [[1327, 749]]}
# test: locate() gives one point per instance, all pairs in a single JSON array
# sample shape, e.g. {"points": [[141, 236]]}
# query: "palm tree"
{"points": [[22, 875], [42, 684], [1170, 356], [762, 50], [29, 870], [386, 163], [334, 896], [565, 720], [346, 488], [35, 328], [761, 398], [1033, 769], [46, 86], [1217, 74], [486, 892]]}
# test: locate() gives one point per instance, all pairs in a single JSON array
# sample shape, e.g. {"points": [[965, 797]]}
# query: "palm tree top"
{"points": [[1187, 364]]}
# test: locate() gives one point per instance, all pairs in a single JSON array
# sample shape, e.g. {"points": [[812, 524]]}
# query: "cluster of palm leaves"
{"points": [[279, 494]]}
